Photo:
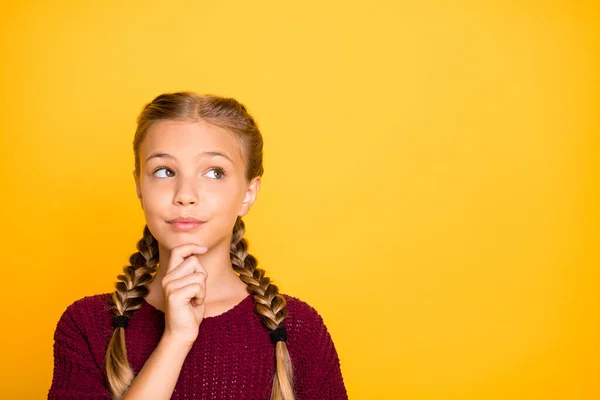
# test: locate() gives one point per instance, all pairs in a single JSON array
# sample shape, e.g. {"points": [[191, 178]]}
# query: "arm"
{"points": [[76, 375], [158, 376], [328, 382], [319, 374], [184, 289]]}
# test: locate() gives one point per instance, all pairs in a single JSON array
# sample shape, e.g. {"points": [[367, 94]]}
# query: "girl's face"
{"points": [[193, 170]]}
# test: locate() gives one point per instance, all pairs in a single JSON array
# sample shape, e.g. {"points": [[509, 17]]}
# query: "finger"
{"points": [[189, 266], [180, 253], [198, 278], [187, 293]]}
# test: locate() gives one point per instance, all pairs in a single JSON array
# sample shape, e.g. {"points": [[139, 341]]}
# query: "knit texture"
{"points": [[233, 356]]}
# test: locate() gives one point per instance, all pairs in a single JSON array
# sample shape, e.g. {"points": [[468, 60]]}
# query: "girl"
{"points": [[193, 317]]}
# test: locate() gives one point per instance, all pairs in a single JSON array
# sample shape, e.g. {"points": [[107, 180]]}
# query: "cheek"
{"points": [[229, 209], [221, 199], [154, 200]]}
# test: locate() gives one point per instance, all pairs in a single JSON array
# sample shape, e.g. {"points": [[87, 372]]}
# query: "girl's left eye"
{"points": [[219, 172]]}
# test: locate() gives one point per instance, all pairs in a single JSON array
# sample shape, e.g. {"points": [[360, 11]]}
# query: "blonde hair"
{"points": [[132, 287]]}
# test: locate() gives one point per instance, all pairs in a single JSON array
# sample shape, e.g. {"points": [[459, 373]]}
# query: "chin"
{"points": [[170, 238], [173, 241]]}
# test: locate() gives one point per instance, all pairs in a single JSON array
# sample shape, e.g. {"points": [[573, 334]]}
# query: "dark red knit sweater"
{"points": [[232, 358]]}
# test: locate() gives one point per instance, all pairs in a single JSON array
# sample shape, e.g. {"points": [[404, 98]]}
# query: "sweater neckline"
{"points": [[233, 313]]}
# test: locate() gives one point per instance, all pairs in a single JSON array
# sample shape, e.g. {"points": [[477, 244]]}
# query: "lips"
{"points": [[185, 223], [184, 220]]}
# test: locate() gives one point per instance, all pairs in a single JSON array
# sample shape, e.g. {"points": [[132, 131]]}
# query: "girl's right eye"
{"points": [[164, 173]]}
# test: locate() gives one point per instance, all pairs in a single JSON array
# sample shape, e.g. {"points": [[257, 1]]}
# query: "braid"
{"points": [[132, 288], [270, 306]]}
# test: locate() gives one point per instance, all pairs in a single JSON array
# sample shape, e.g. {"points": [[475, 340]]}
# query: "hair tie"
{"points": [[120, 321], [278, 334]]}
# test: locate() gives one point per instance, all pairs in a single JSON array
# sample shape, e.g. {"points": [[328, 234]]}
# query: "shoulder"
{"points": [[313, 352], [86, 314], [90, 305], [300, 310], [83, 330], [303, 320], [91, 302]]}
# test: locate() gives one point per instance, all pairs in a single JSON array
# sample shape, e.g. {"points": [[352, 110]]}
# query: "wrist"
{"points": [[175, 342]]}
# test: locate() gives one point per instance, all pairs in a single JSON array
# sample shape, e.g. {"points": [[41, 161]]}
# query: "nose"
{"points": [[186, 192]]}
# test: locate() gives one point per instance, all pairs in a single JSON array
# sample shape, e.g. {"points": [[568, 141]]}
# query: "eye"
{"points": [[218, 171], [164, 174]]}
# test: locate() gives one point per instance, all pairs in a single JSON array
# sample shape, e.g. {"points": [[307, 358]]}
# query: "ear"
{"points": [[138, 189], [250, 197]]}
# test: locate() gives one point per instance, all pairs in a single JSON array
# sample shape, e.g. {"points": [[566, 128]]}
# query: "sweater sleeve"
{"points": [[76, 375], [318, 374]]}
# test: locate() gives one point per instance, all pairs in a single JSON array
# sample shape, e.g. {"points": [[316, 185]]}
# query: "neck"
{"points": [[221, 283]]}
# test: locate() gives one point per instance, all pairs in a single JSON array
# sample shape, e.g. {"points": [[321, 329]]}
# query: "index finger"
{"points": [[180, 253], [188, 266]]}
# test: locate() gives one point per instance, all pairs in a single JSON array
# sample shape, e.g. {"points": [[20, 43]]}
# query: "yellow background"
{"points": [[431, 181]]}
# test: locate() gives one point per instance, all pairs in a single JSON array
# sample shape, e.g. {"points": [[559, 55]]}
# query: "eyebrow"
{"points": [[206, 153]]}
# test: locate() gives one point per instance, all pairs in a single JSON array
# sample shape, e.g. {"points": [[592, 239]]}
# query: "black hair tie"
{"points": [[278, 334], [120, 321]]}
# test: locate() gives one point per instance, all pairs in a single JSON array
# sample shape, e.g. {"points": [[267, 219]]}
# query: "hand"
{"points": [[184, 290]]}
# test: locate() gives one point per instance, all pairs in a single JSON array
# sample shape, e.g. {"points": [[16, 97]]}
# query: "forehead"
{"points": [[183, 139]]}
